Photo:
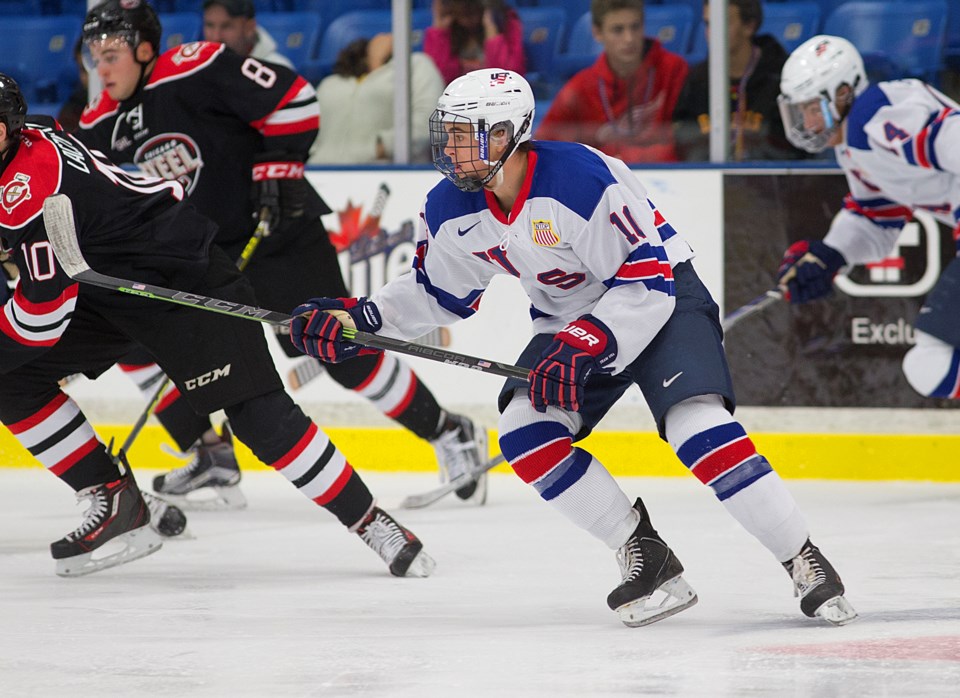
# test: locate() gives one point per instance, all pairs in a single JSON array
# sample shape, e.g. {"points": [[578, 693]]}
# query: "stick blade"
{"points": [[62, 232]]}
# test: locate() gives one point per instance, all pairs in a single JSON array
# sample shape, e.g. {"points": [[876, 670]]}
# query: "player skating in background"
{"points": [[222, 124], [615, 301], [53, 328], [898, 143]]}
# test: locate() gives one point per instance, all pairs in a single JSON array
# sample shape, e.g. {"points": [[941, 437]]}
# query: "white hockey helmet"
{"points": [[491, 102], [824, 71]]}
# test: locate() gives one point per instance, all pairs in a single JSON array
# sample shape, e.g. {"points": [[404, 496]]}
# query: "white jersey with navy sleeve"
{"points": [[583, 237], [901, 153]]}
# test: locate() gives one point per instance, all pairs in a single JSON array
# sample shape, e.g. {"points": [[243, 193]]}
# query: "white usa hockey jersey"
{"points": [[901, 153], [582, 237]]}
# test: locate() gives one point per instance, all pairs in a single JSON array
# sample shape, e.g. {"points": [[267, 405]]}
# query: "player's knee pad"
{"points": [[270, 424], [714, 446], [932, 367], [535, 443]]}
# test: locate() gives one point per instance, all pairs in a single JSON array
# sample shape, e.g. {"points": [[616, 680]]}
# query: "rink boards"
{"points": [[737, 222]]}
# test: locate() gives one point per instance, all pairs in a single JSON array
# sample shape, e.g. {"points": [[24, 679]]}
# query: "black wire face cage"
{"points": [[472, 169]]}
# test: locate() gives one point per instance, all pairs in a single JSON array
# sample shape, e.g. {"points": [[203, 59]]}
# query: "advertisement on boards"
{"points": [[843, 351]]}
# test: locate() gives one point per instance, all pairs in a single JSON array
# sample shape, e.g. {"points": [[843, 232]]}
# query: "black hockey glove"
{"points": [[808, 269], [280, 188]]}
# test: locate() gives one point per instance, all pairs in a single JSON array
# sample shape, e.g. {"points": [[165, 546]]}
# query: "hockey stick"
{"points": [[61, 229], [263, 229], [418, 501], [755, 306], [305, 371]]}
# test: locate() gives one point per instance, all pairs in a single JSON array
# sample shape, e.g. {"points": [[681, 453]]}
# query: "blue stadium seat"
{"points": [[363, 24], [790, 23], [905, 38], [297, 34], [672, 25], [542, 30], [38, 54], [180, 28], [698, 44], [19, 8], [581, 49], [951, 52]]}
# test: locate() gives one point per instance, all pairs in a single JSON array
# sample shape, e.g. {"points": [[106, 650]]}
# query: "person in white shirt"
{"points": [[356, 102]]}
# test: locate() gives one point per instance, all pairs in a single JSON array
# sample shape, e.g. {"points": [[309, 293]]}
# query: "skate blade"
{"points": [[209, 499], [138, 543], [677, 596], [422, 566], [837, 611]]}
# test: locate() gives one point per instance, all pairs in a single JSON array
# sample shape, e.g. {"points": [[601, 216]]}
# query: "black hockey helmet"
{"points": [[133, 20], [13, 107]]}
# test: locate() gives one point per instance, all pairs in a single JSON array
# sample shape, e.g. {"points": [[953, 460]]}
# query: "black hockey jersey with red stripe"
{"points": [[127, 225], [201, 118]]}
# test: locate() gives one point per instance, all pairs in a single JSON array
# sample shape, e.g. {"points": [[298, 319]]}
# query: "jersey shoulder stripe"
{"points": [[864, 108], [572, 174], [102, 107], [33, 175], [183, 61], [445, 202]]}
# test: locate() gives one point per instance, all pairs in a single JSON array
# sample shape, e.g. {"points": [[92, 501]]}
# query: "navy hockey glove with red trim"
{"points": [[808, 269], [582, 347], [320, 334], [280, 188]]}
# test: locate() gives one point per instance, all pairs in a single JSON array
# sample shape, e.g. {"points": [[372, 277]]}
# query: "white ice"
{"points": [[278, 600]]}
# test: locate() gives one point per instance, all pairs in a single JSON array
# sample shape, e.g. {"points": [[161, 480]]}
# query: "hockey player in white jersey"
{"points": [[614, 301], [898, 143]]}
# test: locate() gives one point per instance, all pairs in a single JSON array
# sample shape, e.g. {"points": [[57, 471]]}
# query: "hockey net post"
{"points": [[62, 232]]}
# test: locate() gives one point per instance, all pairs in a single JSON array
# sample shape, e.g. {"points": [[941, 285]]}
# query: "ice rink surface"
{"points": [[278, 600]]}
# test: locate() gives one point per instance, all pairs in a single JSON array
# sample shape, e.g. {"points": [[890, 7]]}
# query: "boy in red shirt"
{"points": [[622, 104]]}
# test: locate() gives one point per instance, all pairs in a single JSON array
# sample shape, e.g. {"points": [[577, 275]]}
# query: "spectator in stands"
{"points": [[754, 64], [472, 34], [234, 23], [69, 115], [623, 103], [356, 104]]}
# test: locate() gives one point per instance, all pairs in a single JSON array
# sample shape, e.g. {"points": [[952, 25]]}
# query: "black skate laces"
{"points": [[92, 517], [384, 535]]}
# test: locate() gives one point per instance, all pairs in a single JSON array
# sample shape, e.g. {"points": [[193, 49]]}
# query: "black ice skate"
{"points": [[117, 516], [649, 567], [209, 481], [819, 587], [462, 454], [399, 547]]}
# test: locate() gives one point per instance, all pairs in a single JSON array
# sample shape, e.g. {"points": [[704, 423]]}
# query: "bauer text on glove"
{"points": [[582, 347]]}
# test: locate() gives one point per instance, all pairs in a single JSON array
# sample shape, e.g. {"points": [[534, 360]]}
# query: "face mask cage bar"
{"points": [[792, 115], [478, 141]]}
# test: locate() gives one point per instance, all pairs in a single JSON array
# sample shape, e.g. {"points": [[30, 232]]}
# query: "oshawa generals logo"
{"points": [[171, 156], [15, 193]]}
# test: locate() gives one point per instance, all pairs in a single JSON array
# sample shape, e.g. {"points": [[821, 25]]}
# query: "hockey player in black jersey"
{"points": [[52, 327], [224, 125]]}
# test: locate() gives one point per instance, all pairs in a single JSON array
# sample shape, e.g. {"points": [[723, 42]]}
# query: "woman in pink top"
{"points": [[472, 34]]}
